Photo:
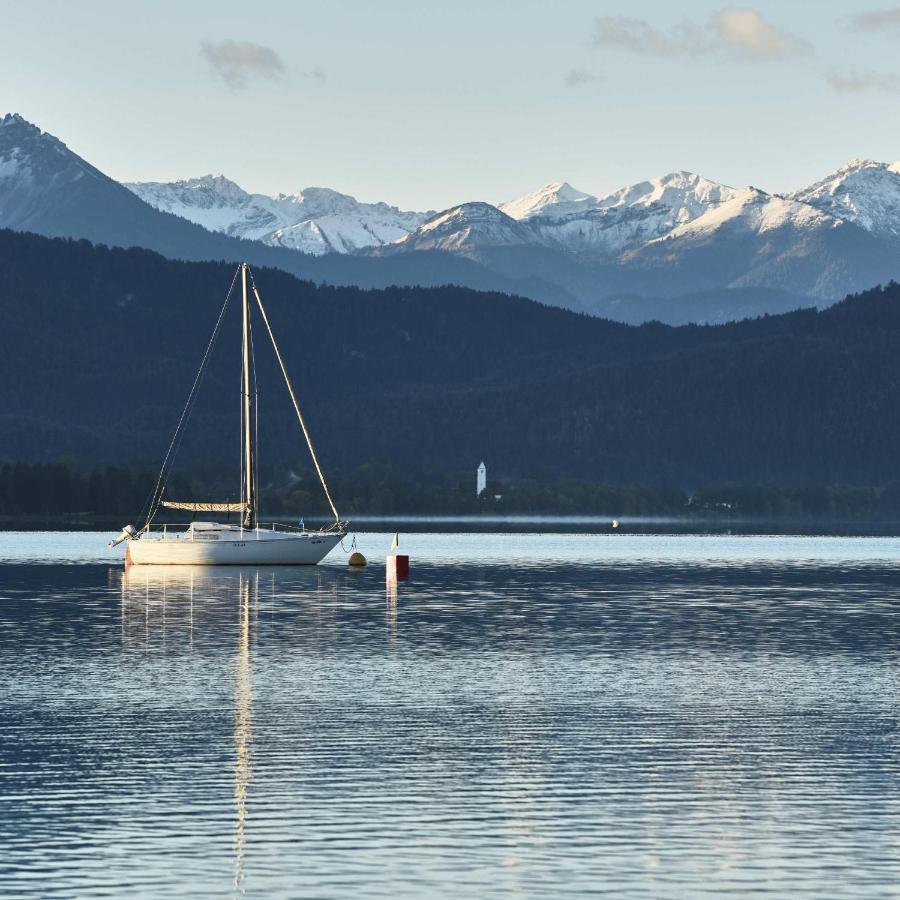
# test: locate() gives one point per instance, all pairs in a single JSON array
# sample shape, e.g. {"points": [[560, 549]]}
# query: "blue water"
{"points": [[528, 715]]}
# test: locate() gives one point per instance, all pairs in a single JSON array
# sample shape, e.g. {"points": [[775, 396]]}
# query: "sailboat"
{"points": [[249, 542]]}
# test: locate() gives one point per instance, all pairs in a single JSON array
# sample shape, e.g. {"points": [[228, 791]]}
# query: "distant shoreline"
{"points": [[525, 522]]}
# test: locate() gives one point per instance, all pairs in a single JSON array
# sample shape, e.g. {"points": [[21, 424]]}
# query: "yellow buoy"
{"points": [[356, 559], [615, 523]]}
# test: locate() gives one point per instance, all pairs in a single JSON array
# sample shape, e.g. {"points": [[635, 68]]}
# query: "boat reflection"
{"points": [[168, 606], [163, 599], [179, 610]]}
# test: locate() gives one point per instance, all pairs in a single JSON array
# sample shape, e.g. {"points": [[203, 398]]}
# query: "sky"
{"points": [[428, 104]]}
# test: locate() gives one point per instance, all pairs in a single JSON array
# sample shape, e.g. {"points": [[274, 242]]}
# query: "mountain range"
{"points": [[678, 248], [316, 220], [48, 189]]}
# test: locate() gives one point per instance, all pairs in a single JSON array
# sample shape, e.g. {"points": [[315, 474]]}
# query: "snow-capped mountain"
{"points": [[315, 220], [320, 220], [38, 171], [752, 211], [667, 248], [864, 192], [556, 200], [684, 194], [759, 240], [47, 188], [674, 237], [213, 202], [615, 228], [466, 227], [607, 225]]}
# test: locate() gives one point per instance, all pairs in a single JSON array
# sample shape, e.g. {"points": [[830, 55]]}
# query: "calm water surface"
{"points": [[528, 715]]}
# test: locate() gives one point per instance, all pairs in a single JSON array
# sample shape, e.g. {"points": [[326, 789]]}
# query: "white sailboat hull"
{"points": [[232, 547]]}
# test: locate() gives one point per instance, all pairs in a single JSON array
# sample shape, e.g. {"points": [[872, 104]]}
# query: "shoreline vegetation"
{"points": [[66, 493]]}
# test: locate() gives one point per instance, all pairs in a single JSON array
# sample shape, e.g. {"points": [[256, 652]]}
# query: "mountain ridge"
{"points": [[315, 220], [678, 248], [48, 189], [601, 248]]}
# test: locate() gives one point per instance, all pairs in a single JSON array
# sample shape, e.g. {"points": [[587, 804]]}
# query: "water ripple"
{"points": [[689, 720]]}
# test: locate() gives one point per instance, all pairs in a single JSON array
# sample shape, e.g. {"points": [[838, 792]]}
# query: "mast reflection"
{"points": [[243, 727]]}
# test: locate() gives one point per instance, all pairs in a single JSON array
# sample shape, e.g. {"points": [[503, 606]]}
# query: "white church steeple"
{"points": [[480, 479]]}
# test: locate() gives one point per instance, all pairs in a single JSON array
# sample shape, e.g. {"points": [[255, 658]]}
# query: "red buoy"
{"points": [[397, 566]]}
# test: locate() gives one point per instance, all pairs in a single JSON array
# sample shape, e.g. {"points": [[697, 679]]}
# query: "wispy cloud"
{"points": [[639, 36], [877, 19], [316, 74], [736, 32], [238, 63], [748, 33], [578, 77], [859, 83]]}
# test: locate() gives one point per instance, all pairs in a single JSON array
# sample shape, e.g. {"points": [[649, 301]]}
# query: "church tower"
{"points": [[480, 479]]}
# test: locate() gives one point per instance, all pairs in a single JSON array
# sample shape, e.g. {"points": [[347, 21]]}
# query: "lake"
{"points": [[533, 715]]}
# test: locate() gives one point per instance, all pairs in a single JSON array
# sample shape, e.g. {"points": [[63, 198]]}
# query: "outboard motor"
{"points": [[128, 534]]}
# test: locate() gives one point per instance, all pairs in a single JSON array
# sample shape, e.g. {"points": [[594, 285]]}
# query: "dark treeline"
{"points": [[385, 489], [99, 348], [59, 490]]}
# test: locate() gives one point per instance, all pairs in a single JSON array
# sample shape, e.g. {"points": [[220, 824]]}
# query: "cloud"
{"points": [[239, 62], [736, 32], [577, 77], [748, 33], [641, 37], [877, 19], [315, 74], [866, 81]]}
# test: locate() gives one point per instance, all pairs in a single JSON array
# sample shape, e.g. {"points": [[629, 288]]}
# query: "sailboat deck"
{"points": [[214, 531]]}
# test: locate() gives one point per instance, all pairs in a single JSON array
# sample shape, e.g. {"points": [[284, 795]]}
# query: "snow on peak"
{"points": [[26, 152], [16, 131], [854, 165], [313, 195], [556, 200], [752, 210], [467, 226], [687, 195], [205, 192], [213, 201], [315, 220], [322, 220], [221, 185], [607, 225], [475, 212], [862, 191]]}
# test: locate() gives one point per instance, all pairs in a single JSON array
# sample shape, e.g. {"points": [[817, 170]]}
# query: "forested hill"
{"points": [[100, 346]]}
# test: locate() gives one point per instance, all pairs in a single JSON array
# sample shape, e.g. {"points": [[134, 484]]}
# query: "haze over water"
{"points": [[528, 715]]}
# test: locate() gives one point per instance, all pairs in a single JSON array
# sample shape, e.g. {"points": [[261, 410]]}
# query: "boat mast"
{"points": [[249, 498]]}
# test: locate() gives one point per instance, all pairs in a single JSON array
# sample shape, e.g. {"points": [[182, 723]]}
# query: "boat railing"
{"points": [[186, 531]]}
